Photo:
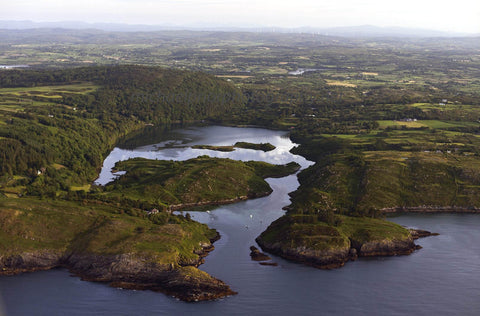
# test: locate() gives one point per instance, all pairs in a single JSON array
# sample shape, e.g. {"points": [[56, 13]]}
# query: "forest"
{"points": [[62, 123]]}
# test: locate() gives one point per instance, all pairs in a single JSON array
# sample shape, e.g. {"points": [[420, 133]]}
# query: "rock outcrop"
{"points": [[384, 247], [327, 247], [130, 271], [29, 261], [133, 272], [323, 259], [431, 209], [257, 255], [419, 233]]}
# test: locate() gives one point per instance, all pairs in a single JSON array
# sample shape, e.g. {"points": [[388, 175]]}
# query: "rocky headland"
{"points": [[129, 271], [431, 209], [107, 246], [327, 247]]}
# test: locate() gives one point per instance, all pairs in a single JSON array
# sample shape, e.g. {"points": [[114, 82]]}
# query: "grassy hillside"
{"points": [[364, 182], [297, 231], [310, 240], [29, 224], [202, 180]]}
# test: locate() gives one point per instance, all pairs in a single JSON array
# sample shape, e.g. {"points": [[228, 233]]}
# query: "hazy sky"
{"points": [[452, 15]]}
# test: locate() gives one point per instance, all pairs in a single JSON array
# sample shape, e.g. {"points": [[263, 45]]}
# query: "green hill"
{"points": [[195, 182]]}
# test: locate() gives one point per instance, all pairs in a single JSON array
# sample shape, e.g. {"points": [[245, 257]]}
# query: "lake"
{"points": [[443, 278], [13, 66]]}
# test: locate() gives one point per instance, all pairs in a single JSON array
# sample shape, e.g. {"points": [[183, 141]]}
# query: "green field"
{"points": [[16, 99]]}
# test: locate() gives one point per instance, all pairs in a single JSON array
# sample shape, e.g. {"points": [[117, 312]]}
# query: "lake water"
{"points": [[13, 66], [301, 71], [443, 278]]}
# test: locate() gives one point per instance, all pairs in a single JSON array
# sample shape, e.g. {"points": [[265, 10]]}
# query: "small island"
{"points": [[246, 145], [262, 146], [217, 148]]}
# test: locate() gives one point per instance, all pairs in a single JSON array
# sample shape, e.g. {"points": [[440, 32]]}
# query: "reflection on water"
{"points": [[178, 147]]}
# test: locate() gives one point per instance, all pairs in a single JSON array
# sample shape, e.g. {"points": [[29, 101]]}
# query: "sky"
{"points": [[443, 15]]}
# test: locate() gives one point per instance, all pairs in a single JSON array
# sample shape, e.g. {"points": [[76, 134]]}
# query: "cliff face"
{"points": [[431, 209], [337, 257], [315, 243], [105, 245], [385, 247], [323, 259], [298, 239], [29, 261], [128, 271], [134, 272]]}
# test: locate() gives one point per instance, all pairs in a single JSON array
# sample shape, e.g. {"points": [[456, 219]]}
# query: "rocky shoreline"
{"points": [[336, 258], [183, 206], [30, 262], [318, 259], [129, 271], [430, 209]]}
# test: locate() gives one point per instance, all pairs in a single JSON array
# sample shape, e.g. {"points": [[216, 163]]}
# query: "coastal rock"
{"points": [[191, 284], [419, 233], [323, 259], [300, 239], [128, 270], [385, 247], [335, 258], [135, 272], [431, 209], [193, 205], [29, 261], [353, 254], [266, 263], [202, 253], [256, 255]]}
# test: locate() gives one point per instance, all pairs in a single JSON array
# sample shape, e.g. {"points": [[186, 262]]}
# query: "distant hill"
{"points": [[346, 31], [376, 31]]}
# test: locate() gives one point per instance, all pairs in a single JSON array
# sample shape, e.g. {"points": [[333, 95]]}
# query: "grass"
{"points": [[299, 231], [305, 231], [202, 180], [411, 124], [56, 91], [340, 84], [263, 146], [217, 148], [85, 188], [29, 224], [16, 99], [437, 124], [363, 229], [389, 178], [234, 76], [391, 169]]}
